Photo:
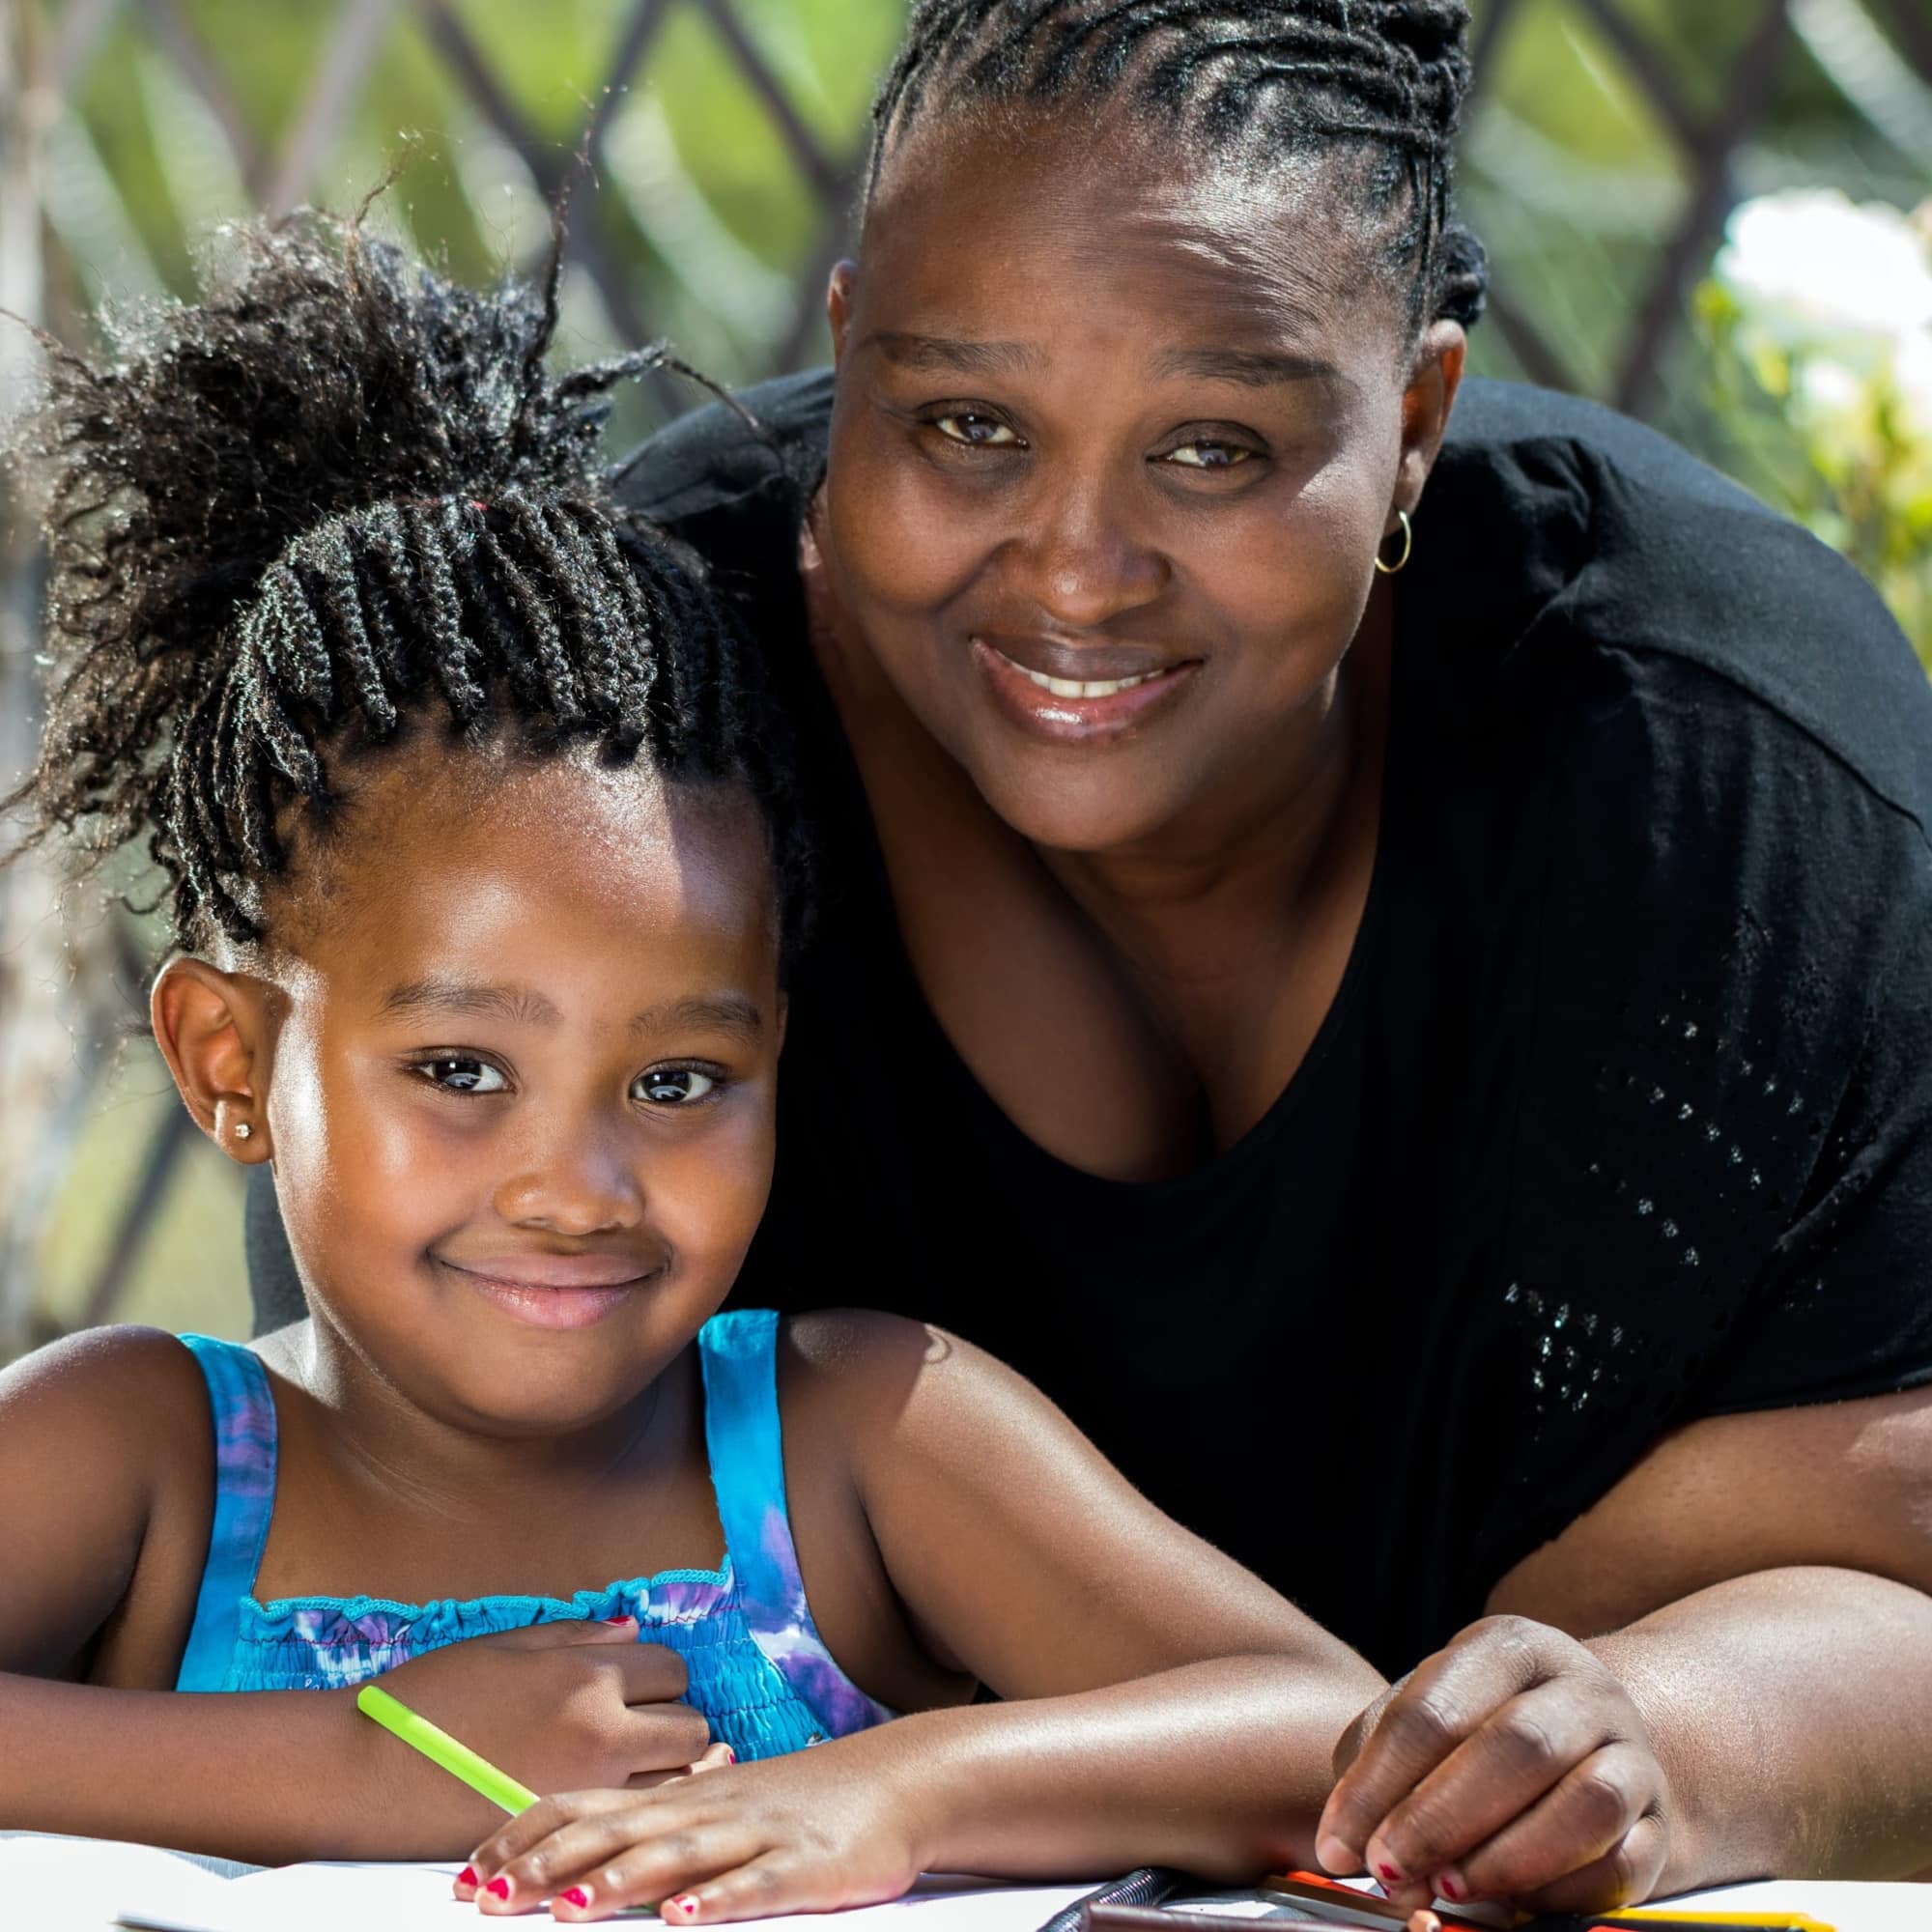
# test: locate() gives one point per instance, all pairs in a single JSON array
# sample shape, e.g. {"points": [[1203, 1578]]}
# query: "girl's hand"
{"points": [[781, 1836], [557, 1706], [1512, 1764]]}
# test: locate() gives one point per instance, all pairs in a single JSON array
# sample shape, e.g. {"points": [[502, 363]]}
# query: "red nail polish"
{"points": [[1388, 1873], [730, 1756], [467, 1876], [499, 1888], [1447, 1887], [684, 1903], [620, 1620], [576, 1897]]}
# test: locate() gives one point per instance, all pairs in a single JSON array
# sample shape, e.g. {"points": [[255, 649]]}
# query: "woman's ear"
{"points": [[838, 295], [1429, 399], [212, 1027]]}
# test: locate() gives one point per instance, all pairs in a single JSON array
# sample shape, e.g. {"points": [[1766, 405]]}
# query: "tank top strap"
{"points": [[243, 1413], [743, 1437]]}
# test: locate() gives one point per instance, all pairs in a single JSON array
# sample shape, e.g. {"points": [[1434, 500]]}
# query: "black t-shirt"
{"points": [[1622, 1116]]}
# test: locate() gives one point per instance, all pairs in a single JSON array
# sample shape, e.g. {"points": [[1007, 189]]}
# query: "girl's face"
{"points": [[522, 1080], [1117, 437]]}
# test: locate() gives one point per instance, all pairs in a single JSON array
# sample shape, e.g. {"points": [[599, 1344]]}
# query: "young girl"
{"points": [[485, 871]]}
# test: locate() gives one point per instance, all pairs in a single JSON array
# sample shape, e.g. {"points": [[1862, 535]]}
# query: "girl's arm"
{"points": [[1164, 1706], [105, 1453]]}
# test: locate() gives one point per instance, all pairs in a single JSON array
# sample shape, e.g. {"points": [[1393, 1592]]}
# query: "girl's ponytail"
{"points": [[339, 489]]}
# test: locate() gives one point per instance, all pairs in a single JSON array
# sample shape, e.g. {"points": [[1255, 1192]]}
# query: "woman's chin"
{"points": [[1086, 802]]}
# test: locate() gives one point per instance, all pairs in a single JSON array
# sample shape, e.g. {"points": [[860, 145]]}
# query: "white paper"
{"points": [[416, 1899]]}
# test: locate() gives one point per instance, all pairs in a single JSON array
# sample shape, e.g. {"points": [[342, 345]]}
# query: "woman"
{"points": [[1376, 939]]}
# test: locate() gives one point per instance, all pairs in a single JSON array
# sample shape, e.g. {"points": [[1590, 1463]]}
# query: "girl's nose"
{"points": [[1079, 561], [578, 1190]]}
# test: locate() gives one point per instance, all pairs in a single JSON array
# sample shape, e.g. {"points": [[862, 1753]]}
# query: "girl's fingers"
{"points": [[1521, 1751], [773, 1883], [715, 1758], [516, 1835], [1594, 1843], [619, 1858]]}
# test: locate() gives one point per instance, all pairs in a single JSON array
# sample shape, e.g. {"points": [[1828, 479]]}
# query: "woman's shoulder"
{"points": [[768, 440], [1606, 562]]}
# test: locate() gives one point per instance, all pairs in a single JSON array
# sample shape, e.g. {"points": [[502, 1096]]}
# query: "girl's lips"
{"points": [[1062, 710], [571, 1297]]}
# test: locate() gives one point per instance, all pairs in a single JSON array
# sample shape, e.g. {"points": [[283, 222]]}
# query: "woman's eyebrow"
{"points": [[1256, 368], [945, 352], [470, 996]]}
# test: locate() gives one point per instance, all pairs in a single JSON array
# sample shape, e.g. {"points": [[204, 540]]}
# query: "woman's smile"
{"points": [[1076, 695]]}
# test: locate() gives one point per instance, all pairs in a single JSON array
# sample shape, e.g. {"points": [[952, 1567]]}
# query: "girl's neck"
{"points": [[366, 1436]]}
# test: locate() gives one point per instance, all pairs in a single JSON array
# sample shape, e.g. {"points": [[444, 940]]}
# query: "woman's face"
{"points": [[1117, 437]]}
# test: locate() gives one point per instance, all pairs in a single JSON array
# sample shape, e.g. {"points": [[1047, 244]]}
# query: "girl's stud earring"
{"points": [[242, 1130], [1401, 563]]}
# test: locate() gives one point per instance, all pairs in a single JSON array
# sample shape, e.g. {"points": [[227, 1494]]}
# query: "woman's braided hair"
{"points": [[1385, 76], [339, 494]]}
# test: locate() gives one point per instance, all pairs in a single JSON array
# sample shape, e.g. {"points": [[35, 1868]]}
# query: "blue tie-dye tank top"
{"points": [[758, 1669]]}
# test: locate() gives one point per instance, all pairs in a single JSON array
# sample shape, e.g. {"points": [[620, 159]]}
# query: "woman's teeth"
{"points": [[1068, 687]]}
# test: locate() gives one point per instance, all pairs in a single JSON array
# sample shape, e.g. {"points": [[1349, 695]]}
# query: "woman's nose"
{"points": [[1080, 561], [575, 1188]]}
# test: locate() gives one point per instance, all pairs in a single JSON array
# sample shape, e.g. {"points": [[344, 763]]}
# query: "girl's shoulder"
{"points": [[857, 1363], [106, 1469], [123, 1381]]}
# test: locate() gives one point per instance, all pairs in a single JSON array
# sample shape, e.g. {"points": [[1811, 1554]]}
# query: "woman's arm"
{"points": [[1164, 1706], [1723, 1671]]}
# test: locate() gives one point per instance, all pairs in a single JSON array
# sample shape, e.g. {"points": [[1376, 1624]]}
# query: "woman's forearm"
{"points": [[1218, 1768], [1792, 1713], [268, 1777]]}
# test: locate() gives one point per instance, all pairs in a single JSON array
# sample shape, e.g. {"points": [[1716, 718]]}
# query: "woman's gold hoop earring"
{"points": [[1408, 548]]}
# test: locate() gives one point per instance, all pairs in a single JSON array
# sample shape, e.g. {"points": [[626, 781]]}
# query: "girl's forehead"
{"points": [[478, 850]]}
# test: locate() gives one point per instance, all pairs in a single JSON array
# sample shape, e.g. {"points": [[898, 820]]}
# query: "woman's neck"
{"points": [[1276, 862]]}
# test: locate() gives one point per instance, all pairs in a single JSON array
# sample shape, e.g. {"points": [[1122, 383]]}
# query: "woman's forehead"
{"points": [[1002, 228]]}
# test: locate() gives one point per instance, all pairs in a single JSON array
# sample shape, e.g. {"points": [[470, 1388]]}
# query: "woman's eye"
{"points": [[460, 1073], [673, 1086], [975, 431], [1209, 455]]}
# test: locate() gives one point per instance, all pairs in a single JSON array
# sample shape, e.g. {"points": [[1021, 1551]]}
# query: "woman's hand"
{"points": [[1512, 1764], [788, 1834]]}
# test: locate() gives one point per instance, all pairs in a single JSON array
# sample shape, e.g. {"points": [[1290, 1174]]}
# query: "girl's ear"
{"points": [[1426, 406], [213, 1033]]}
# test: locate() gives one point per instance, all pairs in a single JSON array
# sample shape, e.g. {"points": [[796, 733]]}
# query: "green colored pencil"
{"points": [[440, 1748]]}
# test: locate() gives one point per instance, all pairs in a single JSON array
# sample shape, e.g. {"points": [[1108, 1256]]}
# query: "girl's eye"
{"points": [[673, 1086], [1209, 455], [975, 431], [462, 1073]]}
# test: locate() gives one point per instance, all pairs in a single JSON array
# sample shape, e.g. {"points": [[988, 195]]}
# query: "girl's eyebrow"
{"points": [[718, 1012], [470, 996], [730, 1013]]}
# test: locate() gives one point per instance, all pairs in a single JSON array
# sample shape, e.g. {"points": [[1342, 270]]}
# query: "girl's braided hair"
{"points": [[338, 493], [1290, 76]]}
